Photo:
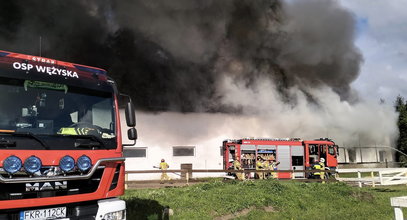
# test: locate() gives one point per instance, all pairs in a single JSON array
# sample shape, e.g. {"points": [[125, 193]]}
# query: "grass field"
{"points": [[263, 199]]}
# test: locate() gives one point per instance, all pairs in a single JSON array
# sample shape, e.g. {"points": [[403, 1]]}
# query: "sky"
{"points": [[283, 69], [381, 33]]}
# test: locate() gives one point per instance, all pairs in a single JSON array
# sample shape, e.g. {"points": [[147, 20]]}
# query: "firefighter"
{"points": [[319, 166], [322, 167], [238, 166], [273, 166], [78, 131], [260, 166], [164, 166], [267, 166]]}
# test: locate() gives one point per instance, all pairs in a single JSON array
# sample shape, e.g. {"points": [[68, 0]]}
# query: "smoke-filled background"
{"points": [[204, 69]]}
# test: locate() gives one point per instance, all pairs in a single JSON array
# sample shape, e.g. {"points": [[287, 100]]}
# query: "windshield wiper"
{"points": [[7, 143], [25, 134], [81, 143], [86, 141]]}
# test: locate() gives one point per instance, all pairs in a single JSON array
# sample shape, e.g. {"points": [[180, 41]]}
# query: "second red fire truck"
{"points": [[292, 153]]}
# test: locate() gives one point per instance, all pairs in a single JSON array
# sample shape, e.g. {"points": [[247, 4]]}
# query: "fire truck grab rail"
{"points": [[60, 178]]}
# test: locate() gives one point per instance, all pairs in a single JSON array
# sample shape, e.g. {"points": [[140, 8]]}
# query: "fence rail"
{"points": [[365, 176], [376, 176], [187, 172]]}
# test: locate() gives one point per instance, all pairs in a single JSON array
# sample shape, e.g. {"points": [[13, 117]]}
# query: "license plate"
{"points": [[41, 214]]}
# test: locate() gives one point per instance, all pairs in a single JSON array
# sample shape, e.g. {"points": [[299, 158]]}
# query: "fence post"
{"points": [[126, 180], [360, 179], [398, 213], [381, 178], [187, 177], [372, 175], [405, 174]]}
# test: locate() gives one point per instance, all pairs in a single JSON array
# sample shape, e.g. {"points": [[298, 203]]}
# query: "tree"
{"points": [[401, 107]]}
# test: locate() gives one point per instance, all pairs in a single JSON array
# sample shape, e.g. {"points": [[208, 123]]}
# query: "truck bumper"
{"points": [[111, 209]]}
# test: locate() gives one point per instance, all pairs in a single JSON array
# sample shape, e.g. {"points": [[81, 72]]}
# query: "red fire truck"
{"points": [[292, 153], [60, 140]]}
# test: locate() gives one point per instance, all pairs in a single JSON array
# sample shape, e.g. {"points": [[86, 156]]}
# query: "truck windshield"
{"points": [[53, 112]]}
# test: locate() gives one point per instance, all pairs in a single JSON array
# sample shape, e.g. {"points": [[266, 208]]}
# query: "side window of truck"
{"points": [[313, 149], [331, 150]]}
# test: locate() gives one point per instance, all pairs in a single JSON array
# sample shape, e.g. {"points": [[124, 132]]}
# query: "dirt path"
{"points": [[242, 213]]}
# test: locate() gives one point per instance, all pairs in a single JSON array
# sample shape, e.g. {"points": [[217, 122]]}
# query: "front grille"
{"points": [[75, 211], [115, 179], [15, 191]]}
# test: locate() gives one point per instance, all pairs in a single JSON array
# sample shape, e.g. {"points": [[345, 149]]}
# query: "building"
{"points": [[198, 145]]}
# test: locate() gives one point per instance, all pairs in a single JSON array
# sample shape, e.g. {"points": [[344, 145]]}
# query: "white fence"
{"points": [[376, 176]]}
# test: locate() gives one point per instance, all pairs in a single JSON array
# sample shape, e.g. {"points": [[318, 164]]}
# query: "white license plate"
{"points": [[41, 214]]}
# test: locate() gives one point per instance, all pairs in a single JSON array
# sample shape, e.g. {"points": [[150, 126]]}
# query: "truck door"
{"points": [[331, 156], [230, 155], [313, 153], [323, 149], [297, 158], [283, 156]]}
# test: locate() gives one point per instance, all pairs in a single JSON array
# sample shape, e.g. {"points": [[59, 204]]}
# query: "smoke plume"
{"points": [[285, 68]]}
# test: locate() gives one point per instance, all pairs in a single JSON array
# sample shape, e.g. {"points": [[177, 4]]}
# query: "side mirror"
{"points": [[130, 114], [336, 147], [132, 134]]}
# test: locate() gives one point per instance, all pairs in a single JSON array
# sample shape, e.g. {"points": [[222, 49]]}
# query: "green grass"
{"points": [[290, 200], [355, 175]]}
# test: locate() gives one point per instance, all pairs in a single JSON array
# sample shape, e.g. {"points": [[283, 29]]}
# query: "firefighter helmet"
{"points": [[322, 160]]}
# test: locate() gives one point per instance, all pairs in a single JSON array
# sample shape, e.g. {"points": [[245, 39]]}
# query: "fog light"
{"points": [[67, 163], [32, 164], [12, 164], [84, 163], [118, 215]]}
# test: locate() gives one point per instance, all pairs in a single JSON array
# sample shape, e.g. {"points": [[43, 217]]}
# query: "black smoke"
{"points": [[170, 55]]}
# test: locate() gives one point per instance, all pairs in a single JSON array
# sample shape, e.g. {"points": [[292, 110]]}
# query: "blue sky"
{"points": [[382, 39]]}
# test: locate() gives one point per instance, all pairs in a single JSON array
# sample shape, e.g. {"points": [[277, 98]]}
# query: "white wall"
{"points": [[160, 132], [160, 146], [365, 154]]}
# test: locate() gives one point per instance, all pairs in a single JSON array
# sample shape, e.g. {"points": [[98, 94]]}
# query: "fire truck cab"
{"points": [[61, 151], [291, 153]]}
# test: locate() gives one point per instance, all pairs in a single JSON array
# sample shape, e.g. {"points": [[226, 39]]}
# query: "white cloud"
{"points": [[382, 30]]}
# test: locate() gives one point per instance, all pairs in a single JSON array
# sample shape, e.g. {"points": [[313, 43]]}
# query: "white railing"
{"points": [[376, 176], [393, 177], [397, 203]]}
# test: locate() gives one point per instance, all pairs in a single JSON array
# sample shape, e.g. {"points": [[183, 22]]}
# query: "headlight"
{"points": [[32, 164], [118, 215], [84, 163], [67, 163], [12, 164]]}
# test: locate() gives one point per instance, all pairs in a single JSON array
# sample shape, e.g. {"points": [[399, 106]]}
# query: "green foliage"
{"points": [[287, 199], [401, 107]]}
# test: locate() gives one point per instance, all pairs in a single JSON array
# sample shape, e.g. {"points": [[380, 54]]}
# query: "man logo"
{"points": [[46, 186]]}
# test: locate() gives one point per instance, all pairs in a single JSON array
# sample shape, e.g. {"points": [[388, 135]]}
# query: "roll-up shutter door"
{"points": [[283, 156]]}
